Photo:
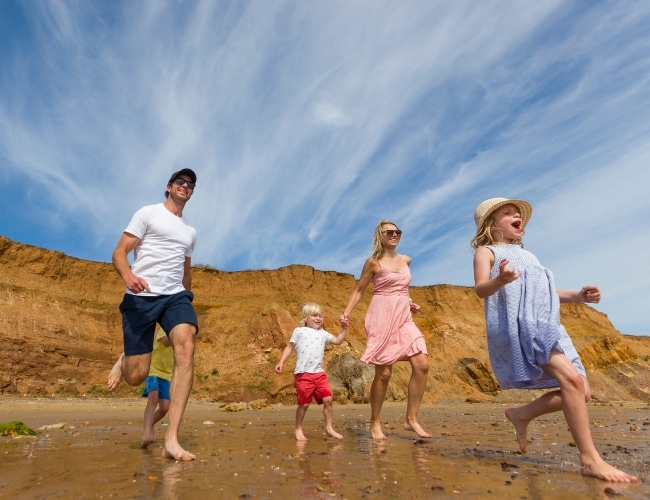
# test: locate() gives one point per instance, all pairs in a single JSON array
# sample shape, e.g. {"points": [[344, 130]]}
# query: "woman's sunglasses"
{"points": [[393, 232]]}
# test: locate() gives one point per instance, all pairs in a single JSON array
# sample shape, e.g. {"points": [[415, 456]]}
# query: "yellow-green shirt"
{"points": [[162, 358]]}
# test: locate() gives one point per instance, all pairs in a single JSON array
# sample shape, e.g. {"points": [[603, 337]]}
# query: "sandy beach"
{"points": [[253, 454]]}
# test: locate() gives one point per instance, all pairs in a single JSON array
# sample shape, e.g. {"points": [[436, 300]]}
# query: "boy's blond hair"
{"points": [[378, 240], [309, 310]]}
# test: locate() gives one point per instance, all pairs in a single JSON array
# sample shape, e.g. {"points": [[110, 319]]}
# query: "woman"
{"points": [[391, 334]]}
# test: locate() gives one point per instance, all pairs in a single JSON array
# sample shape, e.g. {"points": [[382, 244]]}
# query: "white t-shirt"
{"points": [[310, 348], [165, 241]]}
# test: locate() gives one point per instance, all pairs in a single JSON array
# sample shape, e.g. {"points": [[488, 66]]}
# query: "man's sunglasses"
{"points": [[393, 232], [179, 181]]}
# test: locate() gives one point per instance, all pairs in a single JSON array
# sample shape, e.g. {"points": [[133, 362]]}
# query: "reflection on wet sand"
{"points": [[253, 454]]}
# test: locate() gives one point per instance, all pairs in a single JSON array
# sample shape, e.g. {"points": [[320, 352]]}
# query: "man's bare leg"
{"points": [[328, 414], [132, 369], [417, 386], [300, 416], [182, 338], [377, 395]]}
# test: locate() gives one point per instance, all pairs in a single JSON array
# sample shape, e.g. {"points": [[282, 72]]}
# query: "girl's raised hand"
{"points": [[591, 294], [507, 275]]}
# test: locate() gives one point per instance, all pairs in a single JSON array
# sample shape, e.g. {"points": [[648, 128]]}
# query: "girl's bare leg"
{"points": [[328, 414], [300, 416], [149, 432], [417, 386], [377, 395], [575, 411]]}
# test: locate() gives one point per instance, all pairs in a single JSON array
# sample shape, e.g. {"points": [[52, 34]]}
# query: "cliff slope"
{"points": [[61, 331]]}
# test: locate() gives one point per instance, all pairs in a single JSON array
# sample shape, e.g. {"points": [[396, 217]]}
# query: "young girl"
{"points": [[528, 347], [309, 376]]}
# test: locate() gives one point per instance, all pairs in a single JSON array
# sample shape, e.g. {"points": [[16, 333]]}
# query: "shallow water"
{"points": [[252, 454]]}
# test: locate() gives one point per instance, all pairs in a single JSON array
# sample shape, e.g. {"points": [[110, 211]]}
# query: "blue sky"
{"points": [[308, 122]]}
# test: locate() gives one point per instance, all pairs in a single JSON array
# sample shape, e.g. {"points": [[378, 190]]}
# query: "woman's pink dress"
{"points": [[392, 335]]}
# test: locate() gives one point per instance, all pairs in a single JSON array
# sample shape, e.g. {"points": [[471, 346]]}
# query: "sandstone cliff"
{"points": [[61, 332]]}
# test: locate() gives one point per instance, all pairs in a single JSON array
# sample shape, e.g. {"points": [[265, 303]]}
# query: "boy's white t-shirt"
{"points": [[310, 348], [165, 241]]}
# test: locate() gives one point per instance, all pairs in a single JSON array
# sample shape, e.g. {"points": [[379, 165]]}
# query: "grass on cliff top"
{"points": [[13, 429]]}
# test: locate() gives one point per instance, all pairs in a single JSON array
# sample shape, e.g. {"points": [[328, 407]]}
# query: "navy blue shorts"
{"points": [[153, 383], [140, 315]]}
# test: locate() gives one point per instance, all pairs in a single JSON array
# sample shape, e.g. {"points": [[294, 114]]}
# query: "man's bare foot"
{"points": [[602, 470], [115, 376], [149, 437], [299, 435], [375, 430], [331, 432], [177, 453], [521, 427], [415, 427]]}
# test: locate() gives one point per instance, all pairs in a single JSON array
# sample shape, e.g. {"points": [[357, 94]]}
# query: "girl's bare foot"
{"points": [[177, 453], [331, 432], [299, 435], [521, 427], [375, 430], [149, 437], [602, 470], [115, 376], [415, 427]]}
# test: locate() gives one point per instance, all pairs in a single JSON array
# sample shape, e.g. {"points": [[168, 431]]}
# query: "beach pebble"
{"points": [[51, 426], [208, 422]]}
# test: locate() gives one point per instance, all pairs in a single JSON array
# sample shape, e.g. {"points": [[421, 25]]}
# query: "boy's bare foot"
{"points": [[115, 376], [602, 470], [149, 437], [331, 432], [299, 435], [177, 453], [375, 430], [521, 427], [415, 427]]}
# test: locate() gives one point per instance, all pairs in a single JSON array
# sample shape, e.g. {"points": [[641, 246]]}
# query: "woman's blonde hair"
{"points": [[309, 310], [378, 240], [484, 233]]}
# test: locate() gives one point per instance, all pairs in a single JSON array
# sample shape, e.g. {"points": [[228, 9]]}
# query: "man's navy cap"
{"points": [[186, 171]]}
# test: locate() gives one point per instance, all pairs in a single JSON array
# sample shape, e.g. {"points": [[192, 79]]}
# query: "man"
{"points": [[158, 291]]}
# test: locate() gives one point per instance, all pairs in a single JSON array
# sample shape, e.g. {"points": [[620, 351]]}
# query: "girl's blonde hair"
{"points": [[378, 240], [484, 233], [309, 310]]}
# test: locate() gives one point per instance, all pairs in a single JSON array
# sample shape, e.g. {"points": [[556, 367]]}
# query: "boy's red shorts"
{"points": [[310, 385]]}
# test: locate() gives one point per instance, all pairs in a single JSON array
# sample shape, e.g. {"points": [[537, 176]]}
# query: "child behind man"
{"points": [[309, 376], [156, 386]]}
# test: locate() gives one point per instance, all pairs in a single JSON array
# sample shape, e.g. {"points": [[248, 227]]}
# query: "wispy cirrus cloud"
{"points": [[307, 123]]}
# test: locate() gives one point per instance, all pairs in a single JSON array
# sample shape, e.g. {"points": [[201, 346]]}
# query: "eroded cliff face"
{"points": [[61, 331]]}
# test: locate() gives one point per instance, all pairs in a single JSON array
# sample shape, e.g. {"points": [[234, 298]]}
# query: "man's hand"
{"points": [[136, 284]]}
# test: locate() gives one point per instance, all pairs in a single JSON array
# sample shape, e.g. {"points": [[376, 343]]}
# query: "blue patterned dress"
{"points": [[523, 323]]}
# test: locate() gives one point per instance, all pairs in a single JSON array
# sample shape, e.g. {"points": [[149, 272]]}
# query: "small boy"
{"points": [[309, 376], [156, 386]]}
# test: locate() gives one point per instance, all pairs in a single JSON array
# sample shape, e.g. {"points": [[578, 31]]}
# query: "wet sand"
{"points": [[253, 454]]}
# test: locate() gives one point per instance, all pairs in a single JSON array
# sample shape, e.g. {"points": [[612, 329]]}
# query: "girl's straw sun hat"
{"points": [[484, 210]]}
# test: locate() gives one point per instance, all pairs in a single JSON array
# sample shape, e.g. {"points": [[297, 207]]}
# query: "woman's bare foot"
{"points": [[115, 376], [300, 437], [149, 437], [521, 427], [177, 453], [602, 470], [415, 427], [375, 430], [331, 432]]}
